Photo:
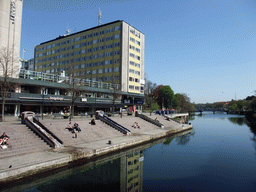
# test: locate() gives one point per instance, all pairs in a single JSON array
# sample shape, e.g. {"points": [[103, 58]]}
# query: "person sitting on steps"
{"points": [[136, 125], [4, 139], [93, 122], [76, 127], [70, 128]]}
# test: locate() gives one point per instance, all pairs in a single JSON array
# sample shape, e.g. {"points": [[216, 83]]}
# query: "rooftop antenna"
{"points": [[24, 50], [99, 16], [68, 30]]}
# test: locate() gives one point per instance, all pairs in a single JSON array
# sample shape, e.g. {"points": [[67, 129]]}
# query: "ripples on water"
{"points": [[217, 155]]}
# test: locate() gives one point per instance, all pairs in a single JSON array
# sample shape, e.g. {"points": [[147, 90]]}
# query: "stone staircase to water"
{"points": [[89, 132], [22, 140]]}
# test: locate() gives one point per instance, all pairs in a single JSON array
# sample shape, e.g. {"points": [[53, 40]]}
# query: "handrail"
{"points": [[142, 116], [47, 130], [39, 132], [27, 74], [116, 123]]}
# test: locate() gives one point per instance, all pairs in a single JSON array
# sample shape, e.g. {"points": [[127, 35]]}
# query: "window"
{"points": [[131, 71], [88, 57], [101, 32], [94, 72], [116, 69], [109, 46], [132, 39], [95, 34], [101, 55], [83, 66], [117, 28], [101, 63], [132, 47], [108, 62], [84, 37], [137, 65], [94, 56], [137, 42], [83, 51], [138, 50], [95, 49], [53, 51], [95, 41], [137, 88], [77, 46], [108, 70], [117, 36], [131, 79], [109, 38], [101, 40], [132, 55], [116, 53], [117, 44], [117, 61], [89, 50], [132, 63], [108, 54], [49, 47], [101, 47], [89, 43], [137, 72], [109, 30], [77, 53], [131, 87]]}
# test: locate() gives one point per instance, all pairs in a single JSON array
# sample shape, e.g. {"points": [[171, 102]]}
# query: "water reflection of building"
{"points": [[132, 171]]}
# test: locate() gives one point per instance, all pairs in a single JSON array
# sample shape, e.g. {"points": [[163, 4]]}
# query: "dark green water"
{"points": [[219, 154]]}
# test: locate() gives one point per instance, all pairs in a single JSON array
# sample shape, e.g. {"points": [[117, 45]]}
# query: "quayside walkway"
{"points": [[28, 154]]}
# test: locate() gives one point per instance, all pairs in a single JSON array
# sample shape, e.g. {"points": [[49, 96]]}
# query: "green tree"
{"points": [[166, 97]]}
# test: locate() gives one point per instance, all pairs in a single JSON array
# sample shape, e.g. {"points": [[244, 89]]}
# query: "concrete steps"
{"points": [[89, 132], [22, 140]]}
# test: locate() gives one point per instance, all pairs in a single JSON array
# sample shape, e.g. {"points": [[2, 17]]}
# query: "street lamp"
{"points": [[43, 89]]}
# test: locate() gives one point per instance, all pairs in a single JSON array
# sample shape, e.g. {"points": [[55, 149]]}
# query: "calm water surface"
{"points": [[219, 154]]}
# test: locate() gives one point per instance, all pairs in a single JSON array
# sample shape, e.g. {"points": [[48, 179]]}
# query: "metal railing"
{"points": [[35, 75]]}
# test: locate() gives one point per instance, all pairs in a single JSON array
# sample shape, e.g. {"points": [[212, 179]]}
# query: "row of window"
{"points": [[134, 48], [79, 38], [132, 31], [134, 72], [137, 88], [93, 72], [134, 79], [134, 56], [77, 46], [134, 41], [95, 56], [134, 64], [95, 64]]}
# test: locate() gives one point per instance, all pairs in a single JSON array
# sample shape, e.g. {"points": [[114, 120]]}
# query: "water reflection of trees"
{"points": [[184, 139], [237, 120]]}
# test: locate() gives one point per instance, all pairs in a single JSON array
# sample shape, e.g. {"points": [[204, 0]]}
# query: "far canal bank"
{"points": [[22, 166]]}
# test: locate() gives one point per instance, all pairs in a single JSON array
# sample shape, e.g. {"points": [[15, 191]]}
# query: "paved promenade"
{"points": [[28, 154]]}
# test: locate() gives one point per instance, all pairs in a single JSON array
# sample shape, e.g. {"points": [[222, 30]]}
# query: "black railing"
{"points": [[146, 118], [47, 130], [39, 132], [114, 124]]}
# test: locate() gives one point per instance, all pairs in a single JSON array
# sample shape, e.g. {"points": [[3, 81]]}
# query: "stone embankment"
{"points": [[27, 154]]}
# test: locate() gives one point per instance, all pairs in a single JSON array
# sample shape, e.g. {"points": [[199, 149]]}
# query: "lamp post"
{"points": [[43, 89]]}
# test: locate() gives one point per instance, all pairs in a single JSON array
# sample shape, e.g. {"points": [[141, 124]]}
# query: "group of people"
{"points": [[136, 125], [4, 139], [73, 128]]}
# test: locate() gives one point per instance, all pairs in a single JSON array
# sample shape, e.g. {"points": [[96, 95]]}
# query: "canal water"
{"points": [[218, 154]]}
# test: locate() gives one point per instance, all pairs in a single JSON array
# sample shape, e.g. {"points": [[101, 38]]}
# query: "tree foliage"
{"points": [[166, 97]]}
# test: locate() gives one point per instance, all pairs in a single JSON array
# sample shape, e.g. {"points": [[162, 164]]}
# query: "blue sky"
{"points": [[204, 48]]}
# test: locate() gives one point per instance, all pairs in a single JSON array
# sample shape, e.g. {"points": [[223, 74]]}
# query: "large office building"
{"points": [[110, 53], [10, 34]]}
